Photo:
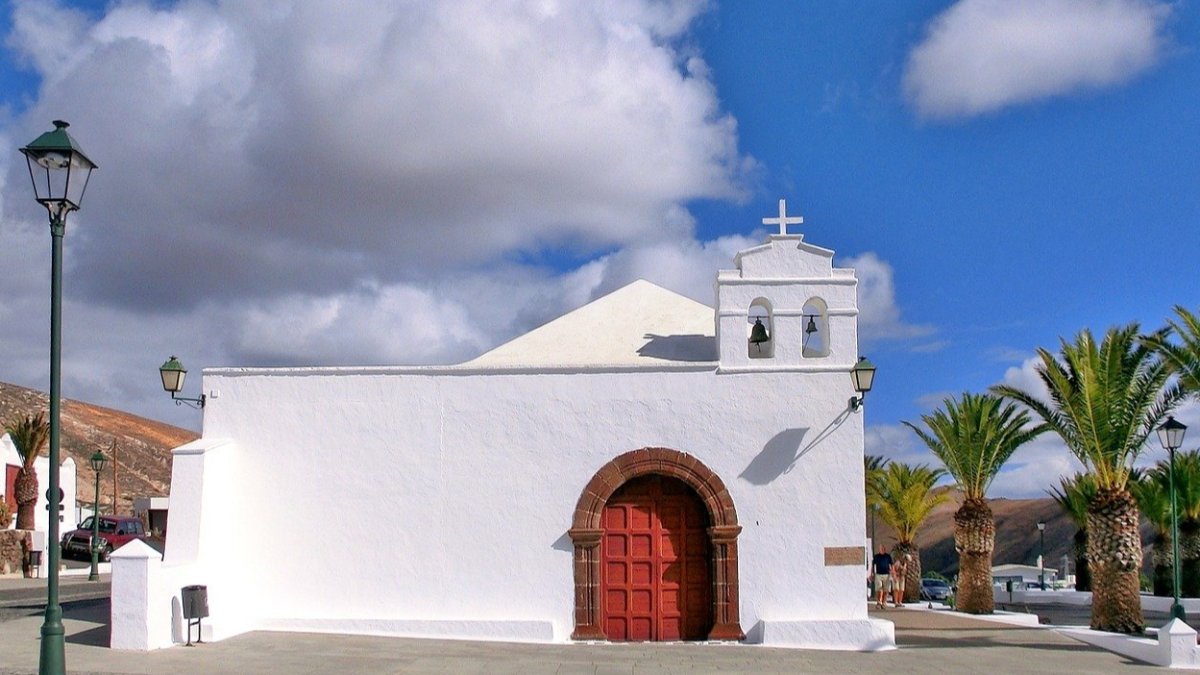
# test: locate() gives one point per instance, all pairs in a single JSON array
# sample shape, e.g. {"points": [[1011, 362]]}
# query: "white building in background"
{"points": [[11, 460], [1023, 576], [637, 469]]}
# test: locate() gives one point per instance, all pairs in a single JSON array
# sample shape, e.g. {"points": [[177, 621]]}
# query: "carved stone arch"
{"points": [[586, 532]]}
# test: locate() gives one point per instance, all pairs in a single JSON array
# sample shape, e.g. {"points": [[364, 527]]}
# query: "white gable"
{"points": [[638, 324], [778, 258]]}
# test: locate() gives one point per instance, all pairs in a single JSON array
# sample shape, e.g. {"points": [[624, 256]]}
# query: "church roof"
{"points": [[638, 324]]}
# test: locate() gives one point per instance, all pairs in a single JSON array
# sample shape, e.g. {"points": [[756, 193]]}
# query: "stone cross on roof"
{"points": [[783, 220]]}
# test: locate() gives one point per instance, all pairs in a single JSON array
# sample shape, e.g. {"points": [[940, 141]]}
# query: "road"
{"points": [[1072, 615]]}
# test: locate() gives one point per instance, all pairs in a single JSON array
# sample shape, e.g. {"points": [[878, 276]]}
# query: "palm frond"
{"points": [[1104, 399], [974, 436], [29, 434]]}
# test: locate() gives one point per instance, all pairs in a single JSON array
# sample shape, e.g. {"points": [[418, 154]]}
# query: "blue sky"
{"points": [[280, 181]]}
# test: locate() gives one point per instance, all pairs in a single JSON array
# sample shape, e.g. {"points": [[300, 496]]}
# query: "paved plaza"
{"points": [[929, 642]]}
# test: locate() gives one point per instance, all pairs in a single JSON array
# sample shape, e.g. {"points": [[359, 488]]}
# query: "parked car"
{"points": [[934, 589], [115, 532]]}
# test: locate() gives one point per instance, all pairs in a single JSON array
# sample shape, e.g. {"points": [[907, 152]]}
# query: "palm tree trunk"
{"points": [[974, 539], [1115, 557], [912, 574], [1189, 550], [25, 491], [1162, 560], [1083, 575]]}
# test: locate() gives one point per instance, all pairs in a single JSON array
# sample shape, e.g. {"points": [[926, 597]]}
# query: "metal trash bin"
{"points": [[195, 607], [195, 602], [34, 558]]}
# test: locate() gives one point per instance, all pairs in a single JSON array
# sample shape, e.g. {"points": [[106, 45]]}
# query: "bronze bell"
{"points": [[812, 326], [758, 334]]}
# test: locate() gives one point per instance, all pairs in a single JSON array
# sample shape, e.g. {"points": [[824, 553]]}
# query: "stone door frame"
{"points": [[586, 532]]}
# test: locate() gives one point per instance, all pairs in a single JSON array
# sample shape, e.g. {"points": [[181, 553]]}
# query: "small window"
{"points": [[816, 328], [760, 330]]}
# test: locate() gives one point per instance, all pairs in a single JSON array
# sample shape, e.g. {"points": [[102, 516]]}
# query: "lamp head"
{"points": [[862, 375], [59, 170], [97, 461], [1171, 433], [173, 374]]}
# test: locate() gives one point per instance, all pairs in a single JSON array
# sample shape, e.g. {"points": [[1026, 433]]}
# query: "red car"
{"points": [[115, 532]]}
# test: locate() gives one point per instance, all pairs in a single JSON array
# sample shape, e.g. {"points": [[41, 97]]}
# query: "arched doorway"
{"points": [[587, 533], [655, 583]]}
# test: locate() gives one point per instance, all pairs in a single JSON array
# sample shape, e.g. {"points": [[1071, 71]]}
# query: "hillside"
{"points": [[143, 455], [1017, 538]]}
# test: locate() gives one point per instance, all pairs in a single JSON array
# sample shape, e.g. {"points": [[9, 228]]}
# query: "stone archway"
{"points": [[586, 533]]}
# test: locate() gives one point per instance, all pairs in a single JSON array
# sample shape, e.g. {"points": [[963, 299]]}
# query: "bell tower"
{"points": [[786, 307]]}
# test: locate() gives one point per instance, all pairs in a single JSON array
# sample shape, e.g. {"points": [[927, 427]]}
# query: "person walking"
{"points": [[899, 573], [881, 571]]}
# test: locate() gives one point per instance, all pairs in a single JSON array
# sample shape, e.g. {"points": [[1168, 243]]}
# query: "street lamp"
{"points": [[863, 377], [1042, 552], [97, 460], [1170, 434], [173, 373], [60, 173]]}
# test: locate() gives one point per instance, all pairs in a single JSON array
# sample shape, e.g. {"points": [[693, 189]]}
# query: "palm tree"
{"points": [[974, 436], [1183, 358], [1152, 491], [906, 497], [29, 435], [1105, 400], [1074, 496], [1187, 492], [873, 466]]}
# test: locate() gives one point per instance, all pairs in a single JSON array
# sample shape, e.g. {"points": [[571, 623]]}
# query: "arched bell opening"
{"points": [[816, 328], [760, 326]]}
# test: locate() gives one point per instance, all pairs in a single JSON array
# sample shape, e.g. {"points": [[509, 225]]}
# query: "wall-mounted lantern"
{"points": [[863, 377], [173, 374]]}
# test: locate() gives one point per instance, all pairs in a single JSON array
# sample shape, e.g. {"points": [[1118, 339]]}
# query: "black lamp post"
{"points": [[1042, 553], [862, 375], [60, 173], [1170, 434], [173, 373], [97, 460]]}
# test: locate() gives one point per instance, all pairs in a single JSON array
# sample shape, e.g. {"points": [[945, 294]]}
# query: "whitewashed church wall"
{"points": [[376, 498]]}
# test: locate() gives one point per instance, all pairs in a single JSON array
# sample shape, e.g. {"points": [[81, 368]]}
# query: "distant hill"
{"points": [[143, 455], [1017, 538]]}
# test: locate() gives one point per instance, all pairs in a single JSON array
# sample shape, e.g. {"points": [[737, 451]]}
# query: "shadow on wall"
{"points": [[778, 457], [694, 348], [563, 543]]}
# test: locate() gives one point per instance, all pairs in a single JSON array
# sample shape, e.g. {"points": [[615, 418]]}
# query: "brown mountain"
{"points": [[1017, 537], [143, 447]]}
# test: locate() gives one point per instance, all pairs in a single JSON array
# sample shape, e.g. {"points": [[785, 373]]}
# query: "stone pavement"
{"points": [[930, 642]]}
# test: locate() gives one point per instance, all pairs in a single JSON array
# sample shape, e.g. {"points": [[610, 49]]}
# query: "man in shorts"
{"points": [[881, 572]]}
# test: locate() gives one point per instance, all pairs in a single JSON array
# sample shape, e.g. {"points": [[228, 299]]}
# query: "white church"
{"points": [[644, 468]]}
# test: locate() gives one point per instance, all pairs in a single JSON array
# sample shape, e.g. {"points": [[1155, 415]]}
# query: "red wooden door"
{"points": [[656, 583], [10, 488]]}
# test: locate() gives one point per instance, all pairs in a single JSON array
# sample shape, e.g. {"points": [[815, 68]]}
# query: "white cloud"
{"points": [[297, 183], [983, 55], [934, 400], [878, 313], [308, 146]]}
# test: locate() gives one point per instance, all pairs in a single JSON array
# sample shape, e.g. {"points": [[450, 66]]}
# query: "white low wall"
{"points": [[1151, 603], [1174, 646]]}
